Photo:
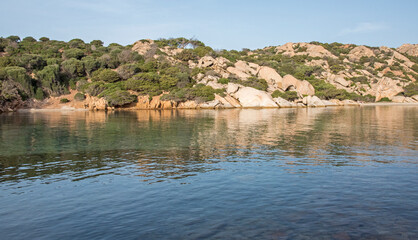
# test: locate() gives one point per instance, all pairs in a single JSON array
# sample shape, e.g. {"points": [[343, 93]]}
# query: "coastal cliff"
{"points": [[185, 73]]}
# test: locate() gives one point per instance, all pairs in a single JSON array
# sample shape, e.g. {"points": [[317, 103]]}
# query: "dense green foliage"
{"points": [[200, 93], [411, 89], [289, 95], [385, 99], [328, 91]]}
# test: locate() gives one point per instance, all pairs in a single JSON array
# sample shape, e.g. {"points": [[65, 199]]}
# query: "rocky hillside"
{"points": [[185, 73]]}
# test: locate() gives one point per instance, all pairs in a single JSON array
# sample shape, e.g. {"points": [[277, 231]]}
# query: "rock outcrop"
{"points": [[312, 50], [251, 97], [338, 80], [302, 87], [283, 103], [273, 79], [410, 49], [385, 87], [95, 103], [144, 102], [142, 46], [358, 52], [243, 69], [313, 101]]}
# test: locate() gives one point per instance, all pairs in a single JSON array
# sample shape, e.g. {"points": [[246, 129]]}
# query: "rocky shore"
{"points": [[247, 98]]}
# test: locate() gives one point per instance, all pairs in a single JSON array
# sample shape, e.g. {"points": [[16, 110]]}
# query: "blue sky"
{"points": [[219, 24]]}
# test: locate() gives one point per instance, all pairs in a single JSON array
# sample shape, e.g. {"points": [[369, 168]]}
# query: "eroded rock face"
{"points": [[155, 103], [398, 99], [273, 79], [233, 88], [223, 101], [312, 50], [338, 79], [283, 103], [401, 57], [95, 103], [385, 87], [360, 51], [244, 70], [251, 97], [188, 105], [212, 104], [410, 49], [403, 99], [302, 87], [234, 102]]}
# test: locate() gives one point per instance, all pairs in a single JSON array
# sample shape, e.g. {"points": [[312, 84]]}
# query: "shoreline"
{"points": [[72, 109]]}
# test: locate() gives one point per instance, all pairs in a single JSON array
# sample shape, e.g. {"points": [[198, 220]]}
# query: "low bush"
{"points": [[79, 97], [105, 75], [253, 82], [385, 99], [411, 89], [223, 80], [289, 95], [64, 100], [361, 79], [199, 93], [117, 97]]}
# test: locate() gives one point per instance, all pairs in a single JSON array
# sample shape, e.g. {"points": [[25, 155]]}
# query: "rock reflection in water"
{"points": [[181, 143]]}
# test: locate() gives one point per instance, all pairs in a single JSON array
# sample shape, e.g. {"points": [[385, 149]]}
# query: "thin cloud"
{"points": [[366, 27]]}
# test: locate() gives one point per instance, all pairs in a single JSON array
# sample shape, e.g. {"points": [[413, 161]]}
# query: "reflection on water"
{"points": [[172, 144], [309, 172]]}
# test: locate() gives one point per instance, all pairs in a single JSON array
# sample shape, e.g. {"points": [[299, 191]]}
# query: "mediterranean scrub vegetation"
{"points": [[38, 69], [31, 68]]}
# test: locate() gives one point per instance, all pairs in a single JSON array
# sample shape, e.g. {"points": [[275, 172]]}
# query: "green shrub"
{"points": [[93, 89], [144, 83], [51, 80], [44, 39], [361, 79], [202, 51], [105, 75], [199, 93], [411, 89], [64, 100], [289, 95], [167, 82], [385, 99], [90, 64], [118, 97], [253, 82], [76, 43], [186, 55], [97, 43], [223, 80], [337, 68], [73, 68], [79, 97], [18, 75], [14, 38], [31, 61], [39, 94], [74, 53], [127, 71]]}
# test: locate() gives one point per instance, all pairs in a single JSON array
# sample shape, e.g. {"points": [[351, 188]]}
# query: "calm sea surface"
{"points": [[326, 173]]}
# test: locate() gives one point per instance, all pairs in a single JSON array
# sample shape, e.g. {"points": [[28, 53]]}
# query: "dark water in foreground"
{"points": [[329, 173]]}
